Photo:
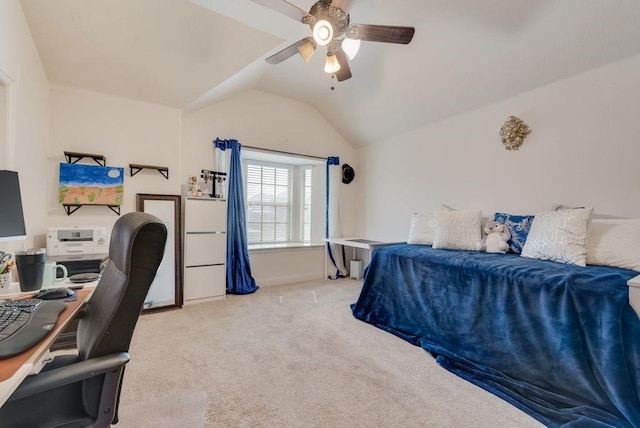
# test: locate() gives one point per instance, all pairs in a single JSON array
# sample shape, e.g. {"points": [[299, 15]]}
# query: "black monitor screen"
{"points": [[11, 217]]}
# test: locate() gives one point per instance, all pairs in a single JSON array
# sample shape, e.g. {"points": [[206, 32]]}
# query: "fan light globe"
{"points": [[322, 32], [331, 65], [351, 47]]}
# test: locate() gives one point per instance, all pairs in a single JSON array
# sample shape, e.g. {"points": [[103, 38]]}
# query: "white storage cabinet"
{"points": [[205, 252]]}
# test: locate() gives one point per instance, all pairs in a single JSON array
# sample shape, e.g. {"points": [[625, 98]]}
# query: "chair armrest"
{"points": [[72, 373]]}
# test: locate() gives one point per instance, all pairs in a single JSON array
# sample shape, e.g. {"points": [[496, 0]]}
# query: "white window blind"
{"points": [[268, 203], [284, 198]]}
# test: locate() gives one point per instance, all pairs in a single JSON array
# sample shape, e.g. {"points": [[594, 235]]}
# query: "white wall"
{"points": [[27, 132], [125, 131], [583, 151], [259, 119], [286, 266]]}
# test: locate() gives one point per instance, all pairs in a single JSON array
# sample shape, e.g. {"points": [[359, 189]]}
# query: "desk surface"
{"points": [[15, 369], [354, 243], [366, 244]]}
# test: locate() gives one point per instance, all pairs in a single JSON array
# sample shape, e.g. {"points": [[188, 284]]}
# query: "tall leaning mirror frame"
{"points": [[166, 289]]}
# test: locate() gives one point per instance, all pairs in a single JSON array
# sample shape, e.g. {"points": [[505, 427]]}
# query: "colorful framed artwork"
{"points": [[89, 184]]}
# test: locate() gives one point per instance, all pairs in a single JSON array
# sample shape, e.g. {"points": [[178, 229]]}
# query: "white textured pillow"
{"points": [[458, 230], [614, 243], [423, 229], [558, 207], [559, 236]]}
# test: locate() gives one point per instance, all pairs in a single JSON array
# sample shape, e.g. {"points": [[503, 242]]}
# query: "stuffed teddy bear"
{"points": [[497, 237]]}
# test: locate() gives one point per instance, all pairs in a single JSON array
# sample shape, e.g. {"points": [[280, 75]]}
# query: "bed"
{"points": [[560, 342]]}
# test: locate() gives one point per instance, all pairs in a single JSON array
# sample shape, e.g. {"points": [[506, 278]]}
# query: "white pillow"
{"points": [[558, 207], [423, 227], [559, 236], [614, 243], [458, 230]]}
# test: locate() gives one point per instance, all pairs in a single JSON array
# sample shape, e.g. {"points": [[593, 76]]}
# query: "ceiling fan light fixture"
{"points": [[331, 65], [322, 32], [330, 24], [306, 51], [351, 47]]}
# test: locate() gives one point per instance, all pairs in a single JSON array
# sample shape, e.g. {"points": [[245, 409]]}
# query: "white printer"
{"points": [[67, 241]]}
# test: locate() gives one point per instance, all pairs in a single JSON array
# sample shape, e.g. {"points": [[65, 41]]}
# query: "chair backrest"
{"points": [[110, 316]]}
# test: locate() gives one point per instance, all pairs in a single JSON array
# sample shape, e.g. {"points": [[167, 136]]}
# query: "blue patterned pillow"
{"points": [[519, 226]]}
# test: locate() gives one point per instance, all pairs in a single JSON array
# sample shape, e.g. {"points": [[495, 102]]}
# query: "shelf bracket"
{"points": [[75, 157], [135, 168], [71, 208]]}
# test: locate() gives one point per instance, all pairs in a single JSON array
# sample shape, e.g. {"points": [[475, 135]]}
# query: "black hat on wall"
{"points": [[347, 173]]}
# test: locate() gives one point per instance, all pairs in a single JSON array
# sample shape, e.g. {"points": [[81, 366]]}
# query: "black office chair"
{"points": [[84, 390]]}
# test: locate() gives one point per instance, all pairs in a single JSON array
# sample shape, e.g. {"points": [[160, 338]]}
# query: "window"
{"points": [[285, 199], [268, 203], [306, 209], [280, 199]]}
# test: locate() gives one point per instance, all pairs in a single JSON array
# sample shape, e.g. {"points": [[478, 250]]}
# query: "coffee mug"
{"points": [[50, 276]]}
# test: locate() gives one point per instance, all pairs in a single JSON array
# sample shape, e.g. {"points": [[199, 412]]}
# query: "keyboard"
{"points": [[23, 323]]}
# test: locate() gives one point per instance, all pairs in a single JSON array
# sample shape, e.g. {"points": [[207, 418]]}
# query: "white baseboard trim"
{"points": [[281, 280]]}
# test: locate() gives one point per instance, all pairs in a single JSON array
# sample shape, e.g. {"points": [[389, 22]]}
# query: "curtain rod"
{"points": [[283, 152]]}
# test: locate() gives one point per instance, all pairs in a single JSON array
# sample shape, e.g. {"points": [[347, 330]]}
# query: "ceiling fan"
{"points": [[330, 25]]}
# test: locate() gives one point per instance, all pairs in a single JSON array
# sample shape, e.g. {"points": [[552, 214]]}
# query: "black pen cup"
{"points": [[30, 264]]}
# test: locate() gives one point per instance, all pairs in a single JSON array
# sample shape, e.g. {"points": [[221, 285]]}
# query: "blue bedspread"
{"points": [[559, 342]]}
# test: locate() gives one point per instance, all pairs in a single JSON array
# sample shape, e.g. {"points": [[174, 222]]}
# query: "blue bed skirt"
{"points": [[559, 342]]}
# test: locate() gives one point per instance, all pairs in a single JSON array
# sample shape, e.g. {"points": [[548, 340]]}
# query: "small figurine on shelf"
{"points": [[192, 187]]}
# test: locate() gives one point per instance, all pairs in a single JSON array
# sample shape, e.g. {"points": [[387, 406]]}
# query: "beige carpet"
{"points": [[294, 356], [179, 410]]}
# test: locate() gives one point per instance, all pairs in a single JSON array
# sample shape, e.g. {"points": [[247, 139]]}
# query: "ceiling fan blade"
{"points": [[344, 73], [285, 8], [307, 49], [286, 53], [345, 5], [381, 33]]}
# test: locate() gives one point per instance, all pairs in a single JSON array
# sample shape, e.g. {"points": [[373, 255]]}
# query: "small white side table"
{"points": [[354, 243], [634, 293]]}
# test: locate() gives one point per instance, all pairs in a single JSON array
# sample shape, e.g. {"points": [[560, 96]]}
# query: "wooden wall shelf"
{"points": [[74, 157], [71, 208], [135, 168]]}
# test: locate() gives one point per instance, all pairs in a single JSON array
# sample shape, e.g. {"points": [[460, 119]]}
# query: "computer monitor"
{"points": [[11, 216]]}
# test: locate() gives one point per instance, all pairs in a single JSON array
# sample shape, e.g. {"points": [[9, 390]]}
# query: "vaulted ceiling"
{"points": [[465, 54]]}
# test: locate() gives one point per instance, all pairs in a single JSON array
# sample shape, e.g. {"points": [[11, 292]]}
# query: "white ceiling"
{"points": [[465, 54]]}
